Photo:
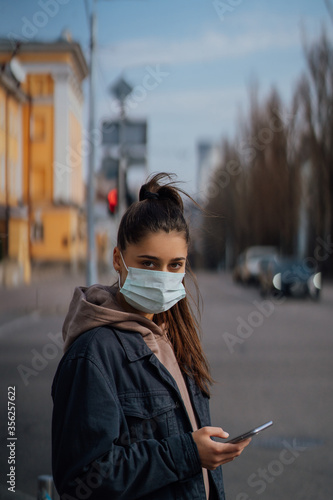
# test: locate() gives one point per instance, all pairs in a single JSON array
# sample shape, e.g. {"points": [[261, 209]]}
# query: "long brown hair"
{"points": [[160, 208]]}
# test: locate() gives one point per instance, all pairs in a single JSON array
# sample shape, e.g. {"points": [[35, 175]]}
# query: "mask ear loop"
{"points": [[122, 258]]}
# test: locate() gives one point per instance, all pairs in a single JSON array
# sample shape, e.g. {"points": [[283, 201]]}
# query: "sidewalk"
{"points": [[18, 495], [50, 291]]}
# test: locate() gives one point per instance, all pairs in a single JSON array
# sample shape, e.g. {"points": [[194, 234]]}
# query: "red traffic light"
{"points": [[113, 200]]}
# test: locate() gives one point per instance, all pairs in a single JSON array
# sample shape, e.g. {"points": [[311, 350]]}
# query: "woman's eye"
{"points": [[148, 263], [176, 265]]}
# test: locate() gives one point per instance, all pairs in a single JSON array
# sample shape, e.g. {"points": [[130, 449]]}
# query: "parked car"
{"points": [[289, 276], [247, 266]]}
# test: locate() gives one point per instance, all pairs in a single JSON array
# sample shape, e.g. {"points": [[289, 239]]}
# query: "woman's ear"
{"points": [[116, 259]]}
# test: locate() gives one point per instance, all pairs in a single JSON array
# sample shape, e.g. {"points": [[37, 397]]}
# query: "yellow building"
{"points": [[14, 227], [43, 161]]}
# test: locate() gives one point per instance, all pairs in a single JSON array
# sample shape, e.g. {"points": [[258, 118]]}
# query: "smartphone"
{"points": [[249, 434]]}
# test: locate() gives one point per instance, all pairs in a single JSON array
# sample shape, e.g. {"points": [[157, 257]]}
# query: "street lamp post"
{"points": [[121, 90], [91, 277]]}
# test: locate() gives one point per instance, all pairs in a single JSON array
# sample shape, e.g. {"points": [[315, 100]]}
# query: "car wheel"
{"points": [[315, 295]]}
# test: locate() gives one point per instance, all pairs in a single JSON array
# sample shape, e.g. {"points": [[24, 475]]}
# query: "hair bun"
{"points": [[167, 192], [147, 195]]}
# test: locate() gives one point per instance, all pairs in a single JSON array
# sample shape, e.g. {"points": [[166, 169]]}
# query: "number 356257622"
{"points": [[11, 411]]}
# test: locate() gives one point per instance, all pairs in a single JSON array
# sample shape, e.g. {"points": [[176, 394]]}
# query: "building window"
{"points": [[38, 182], [2, 174], [11, 127], [2, 114], [39, 128], [37, 231], [15, 124], [37, 228], [12, 177]]}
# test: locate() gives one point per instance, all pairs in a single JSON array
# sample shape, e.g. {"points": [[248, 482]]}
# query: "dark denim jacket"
{"points": [[120, 429]]}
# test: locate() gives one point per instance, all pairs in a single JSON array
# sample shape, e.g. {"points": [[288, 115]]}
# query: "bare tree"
{"points": [[255, 183], [263, 173], [314, 102]]}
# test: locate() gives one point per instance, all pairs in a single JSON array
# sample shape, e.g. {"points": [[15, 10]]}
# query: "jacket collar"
{"points": [[135, 348], [133, 345]]}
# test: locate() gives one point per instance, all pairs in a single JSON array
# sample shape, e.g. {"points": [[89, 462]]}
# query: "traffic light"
{"points": [[113, 201]]}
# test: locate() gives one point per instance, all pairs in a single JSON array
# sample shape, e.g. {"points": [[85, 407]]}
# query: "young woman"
{"points": [[131, 414]]}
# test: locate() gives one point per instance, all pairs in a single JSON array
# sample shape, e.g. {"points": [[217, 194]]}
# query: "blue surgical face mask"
{"points": [[152, 291]]}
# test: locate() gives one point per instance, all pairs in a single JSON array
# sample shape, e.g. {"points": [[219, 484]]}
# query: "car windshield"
{"points": [[260, 252], [294, 265]]}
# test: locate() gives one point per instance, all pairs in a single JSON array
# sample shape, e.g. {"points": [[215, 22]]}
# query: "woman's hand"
{"points": [[211, 453]]}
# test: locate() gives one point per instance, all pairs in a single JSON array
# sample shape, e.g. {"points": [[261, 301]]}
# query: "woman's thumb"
{"points": [[219, 432]]}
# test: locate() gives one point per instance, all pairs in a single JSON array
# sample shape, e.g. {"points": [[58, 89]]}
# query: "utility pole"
{"points": [[91, 277]]}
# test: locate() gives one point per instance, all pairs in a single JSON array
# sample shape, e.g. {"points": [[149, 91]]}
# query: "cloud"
{"points": [[183, 103], [194, 102], [209, 47]]}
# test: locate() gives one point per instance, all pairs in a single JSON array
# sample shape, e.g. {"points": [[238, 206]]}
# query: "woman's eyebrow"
{"points": [[151, 257]]}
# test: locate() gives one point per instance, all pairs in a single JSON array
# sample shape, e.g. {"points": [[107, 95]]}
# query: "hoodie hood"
{"points": [[97, 306]]}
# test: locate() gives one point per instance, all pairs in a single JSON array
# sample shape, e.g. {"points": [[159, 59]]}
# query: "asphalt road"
{"points": [[271, 361]]}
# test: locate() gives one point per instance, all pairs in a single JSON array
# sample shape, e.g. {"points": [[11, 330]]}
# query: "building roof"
{"points": [[8, 82], [62, 45]]}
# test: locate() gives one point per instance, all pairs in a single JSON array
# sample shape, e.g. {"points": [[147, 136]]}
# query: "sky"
{"points": [[190, 62]]}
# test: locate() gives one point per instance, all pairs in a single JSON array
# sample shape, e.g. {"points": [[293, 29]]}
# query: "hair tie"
{"points": [[149, 195]]}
